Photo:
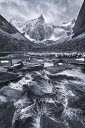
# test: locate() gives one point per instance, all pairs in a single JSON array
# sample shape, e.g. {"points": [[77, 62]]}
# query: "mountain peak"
{"points": [[41, 18]]}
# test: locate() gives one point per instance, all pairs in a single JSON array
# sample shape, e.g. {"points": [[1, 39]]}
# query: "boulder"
{"points": [[79, 103], [59, 77], [37, 76], [7, 110], [16, 66], [55, 109], [32, 67], [27, 123], [75, 123], [33, 90], [47, 122], [59, 67], [10, 93], [6, 77]]}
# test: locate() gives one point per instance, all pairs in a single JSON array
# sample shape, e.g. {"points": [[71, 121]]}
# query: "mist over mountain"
{"points": [[55, 11]]}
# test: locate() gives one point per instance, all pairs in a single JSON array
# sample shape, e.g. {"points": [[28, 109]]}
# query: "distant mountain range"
{"points": [[39, 30]]}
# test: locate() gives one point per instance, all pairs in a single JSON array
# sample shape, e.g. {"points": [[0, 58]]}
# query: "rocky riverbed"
{"points": [[49, 94]]}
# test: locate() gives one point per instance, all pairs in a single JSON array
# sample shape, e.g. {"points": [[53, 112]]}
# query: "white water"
{"points": [[19, 85]]}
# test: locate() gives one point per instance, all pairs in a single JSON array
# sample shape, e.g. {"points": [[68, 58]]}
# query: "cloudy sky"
{"points": [[55, 11]]}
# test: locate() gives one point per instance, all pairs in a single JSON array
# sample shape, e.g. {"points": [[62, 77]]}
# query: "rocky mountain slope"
{"points": [[73, 45], [80, 23], [68, 26], [10, 38]]}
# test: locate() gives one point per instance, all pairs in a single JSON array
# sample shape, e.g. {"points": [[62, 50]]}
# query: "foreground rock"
{"points": [[47, 122], [34, 91], [32, 67], [7, 110], [10, 93], [59, 77], [59, 67], [16, 66], [6, 77], [80, 104]]}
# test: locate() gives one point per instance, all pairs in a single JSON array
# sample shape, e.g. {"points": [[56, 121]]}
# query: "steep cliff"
{"points": [[79, 27]]}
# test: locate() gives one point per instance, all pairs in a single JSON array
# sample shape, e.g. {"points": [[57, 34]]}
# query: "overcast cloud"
{"points": [[55, 11]]}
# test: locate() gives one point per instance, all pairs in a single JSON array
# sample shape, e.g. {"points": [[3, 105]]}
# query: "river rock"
{"points": [[74, 123], [6, 77], [79, 103], [47, 122], [59, 68], [27, 123], [32, 67], [59, 77], [7, 110], [10, 93], [33, 90], [37, 76], [16, 66], [55, 109]]}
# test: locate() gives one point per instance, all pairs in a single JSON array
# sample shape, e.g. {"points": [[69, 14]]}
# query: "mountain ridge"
{"points": [[38, 30], [10, 38]]}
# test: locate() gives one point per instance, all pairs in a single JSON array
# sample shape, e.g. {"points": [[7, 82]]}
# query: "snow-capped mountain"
{"points": [[68, 27], [38, 30]]}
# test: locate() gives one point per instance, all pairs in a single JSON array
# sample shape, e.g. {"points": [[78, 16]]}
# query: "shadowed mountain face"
{"points": [[10, 38], [5, 26], [80, 23]]}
